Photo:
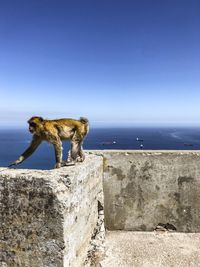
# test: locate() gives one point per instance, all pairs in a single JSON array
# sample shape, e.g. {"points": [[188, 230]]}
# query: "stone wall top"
{"points": [[47, 217]]}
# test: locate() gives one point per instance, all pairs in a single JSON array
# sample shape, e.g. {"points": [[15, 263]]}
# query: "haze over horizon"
{"points": [[119, 63]]}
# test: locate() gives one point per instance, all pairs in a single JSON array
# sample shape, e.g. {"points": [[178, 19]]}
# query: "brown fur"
{"points": [[55, 131]]}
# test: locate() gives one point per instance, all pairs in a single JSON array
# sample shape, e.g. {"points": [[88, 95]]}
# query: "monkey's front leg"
{"points": [[58, 153], [36, 141]]}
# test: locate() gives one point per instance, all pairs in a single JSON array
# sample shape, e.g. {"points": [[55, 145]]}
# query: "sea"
{"points": [[13, 142]]}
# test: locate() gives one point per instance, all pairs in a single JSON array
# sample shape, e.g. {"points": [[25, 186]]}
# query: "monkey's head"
{"points": [[35, 124]]}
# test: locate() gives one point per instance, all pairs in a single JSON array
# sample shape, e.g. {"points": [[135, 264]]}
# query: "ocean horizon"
{"points": [[13, 142]]}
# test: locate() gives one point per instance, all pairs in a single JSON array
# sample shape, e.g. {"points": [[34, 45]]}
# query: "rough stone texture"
{"points": [[47, 218], [145, 249], [144, 188], [97, 246]]}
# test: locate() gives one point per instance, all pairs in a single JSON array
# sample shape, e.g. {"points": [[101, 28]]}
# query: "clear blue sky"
{"points": [[116, 62]]}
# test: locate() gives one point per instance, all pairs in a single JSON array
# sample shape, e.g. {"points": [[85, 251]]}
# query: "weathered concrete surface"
{"points": [[144, 188], [145, 249], [97, 245], [47, 218]]}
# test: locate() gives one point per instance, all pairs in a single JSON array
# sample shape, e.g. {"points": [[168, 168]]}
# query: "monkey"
{"points": [[54, 132]]}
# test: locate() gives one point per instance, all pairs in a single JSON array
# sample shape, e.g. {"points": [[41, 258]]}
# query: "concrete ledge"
{"points": [[145, 249], [47, 218]]}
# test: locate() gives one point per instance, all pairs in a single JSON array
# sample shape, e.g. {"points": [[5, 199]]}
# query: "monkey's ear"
{"points": [[40, 118]]}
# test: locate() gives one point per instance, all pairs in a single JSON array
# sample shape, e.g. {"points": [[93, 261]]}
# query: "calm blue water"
{"points": [[14, 142]]}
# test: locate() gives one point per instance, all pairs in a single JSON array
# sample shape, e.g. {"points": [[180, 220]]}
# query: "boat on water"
{"points": [[108, 143], [139, 139], [186, 144]]}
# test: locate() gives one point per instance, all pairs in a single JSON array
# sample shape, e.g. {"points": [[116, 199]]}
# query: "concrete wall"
{"points": [[144, 188], [47, 218]]}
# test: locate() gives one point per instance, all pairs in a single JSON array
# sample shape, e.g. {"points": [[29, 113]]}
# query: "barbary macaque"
{"points": [[55, 131]]}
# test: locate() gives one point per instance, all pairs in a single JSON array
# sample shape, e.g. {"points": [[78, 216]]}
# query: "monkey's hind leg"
{"points": [[69, 161], [74, 153], [81, 156]]}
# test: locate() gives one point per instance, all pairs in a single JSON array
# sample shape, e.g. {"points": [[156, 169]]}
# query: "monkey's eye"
{"points": [[32, 124]]}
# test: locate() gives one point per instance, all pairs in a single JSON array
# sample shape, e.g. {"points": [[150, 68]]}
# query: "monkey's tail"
{"points": [[84, 120]]}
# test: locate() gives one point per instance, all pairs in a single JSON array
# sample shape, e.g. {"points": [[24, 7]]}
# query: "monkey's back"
{"points": [[67, 127]]}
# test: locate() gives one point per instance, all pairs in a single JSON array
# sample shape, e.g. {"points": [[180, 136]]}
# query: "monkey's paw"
{"points": [[12, 164], [80, 159], [16, 162], [68, 163], [57, 166]]}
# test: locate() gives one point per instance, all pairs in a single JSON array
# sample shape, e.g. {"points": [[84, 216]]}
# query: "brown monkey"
{"points": [[54, 131]]}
